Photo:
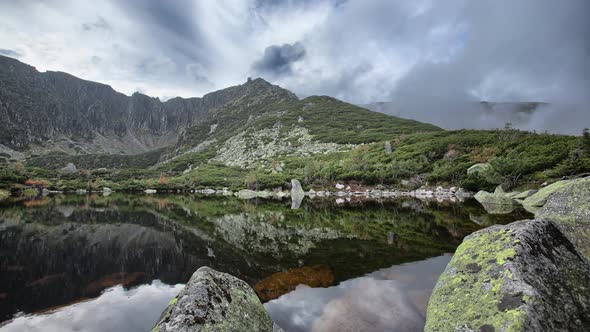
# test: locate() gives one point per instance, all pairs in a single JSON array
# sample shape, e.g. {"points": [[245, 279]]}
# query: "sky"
{"points": [[420, 53]]}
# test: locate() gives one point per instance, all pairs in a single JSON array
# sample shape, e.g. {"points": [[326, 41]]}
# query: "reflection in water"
{"points": [[116, 309], [392, 299], [64, 249]]}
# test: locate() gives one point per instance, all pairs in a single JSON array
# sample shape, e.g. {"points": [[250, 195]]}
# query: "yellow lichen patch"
{"points": [[472, 286]]}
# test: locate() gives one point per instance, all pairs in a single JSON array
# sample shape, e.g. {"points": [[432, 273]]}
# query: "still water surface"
{"points": [[96, 263]]}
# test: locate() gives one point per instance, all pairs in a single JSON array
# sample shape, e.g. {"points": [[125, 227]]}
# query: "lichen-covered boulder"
{"points": [[534, 202], [523, 195], [214, 301], [480, 168], [525, 276], [569, 208]]}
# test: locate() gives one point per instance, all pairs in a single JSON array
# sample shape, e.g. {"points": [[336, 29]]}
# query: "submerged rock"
{"points": [[214, 301], [525, 276]]}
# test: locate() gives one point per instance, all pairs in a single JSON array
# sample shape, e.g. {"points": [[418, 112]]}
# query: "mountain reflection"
{"points": [[60, 250]]}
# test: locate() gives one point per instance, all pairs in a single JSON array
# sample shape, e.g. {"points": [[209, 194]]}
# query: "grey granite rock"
{"points": [[215, 301]]}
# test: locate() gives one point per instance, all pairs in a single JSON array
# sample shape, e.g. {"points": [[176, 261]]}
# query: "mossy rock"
{"points": [[534, 202], [569, 208], [525, 276], [4, 194], [480, 168], [214, 301]]}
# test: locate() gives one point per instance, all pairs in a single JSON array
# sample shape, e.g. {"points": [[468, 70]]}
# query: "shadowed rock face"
{"points": [[214, 301], [525, 276], [55, 110]]}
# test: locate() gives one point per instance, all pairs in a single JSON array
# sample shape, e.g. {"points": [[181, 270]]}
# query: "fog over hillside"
{"points": [[567, 119]]}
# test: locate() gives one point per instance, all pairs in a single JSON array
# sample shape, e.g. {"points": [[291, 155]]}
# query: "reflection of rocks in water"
{"points": [[498, 208], [374, 305], [51, 265], [66, 210], [419, 298], [283, 282], [251, 233], [120, 278]]}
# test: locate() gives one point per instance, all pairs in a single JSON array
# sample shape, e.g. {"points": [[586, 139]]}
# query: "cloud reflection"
{"points": [[392, 299], [117, 309]]}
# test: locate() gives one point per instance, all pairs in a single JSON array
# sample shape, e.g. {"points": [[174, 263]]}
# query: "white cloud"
{"points": [[357, 50]]}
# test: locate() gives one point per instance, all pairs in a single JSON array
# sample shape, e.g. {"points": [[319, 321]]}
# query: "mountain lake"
{"points": [[112, 263]]}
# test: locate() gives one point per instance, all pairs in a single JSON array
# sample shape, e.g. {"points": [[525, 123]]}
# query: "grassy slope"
{"points": [[519, 158]]}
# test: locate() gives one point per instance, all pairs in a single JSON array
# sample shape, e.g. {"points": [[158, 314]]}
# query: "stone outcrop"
{"points": [[480, 168], [387, 147], [248, 147], [525, 276], [214, 301], [69, 169]]}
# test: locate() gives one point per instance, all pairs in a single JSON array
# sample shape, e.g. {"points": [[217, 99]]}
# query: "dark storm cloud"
{"points": [[10, 53], [518, 51], [277, 59]]}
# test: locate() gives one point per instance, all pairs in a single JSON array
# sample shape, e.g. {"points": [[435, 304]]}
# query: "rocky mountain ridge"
{"points": [[54, 114], [55, 111]]}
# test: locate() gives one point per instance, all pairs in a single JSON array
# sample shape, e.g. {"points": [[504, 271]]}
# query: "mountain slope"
{"points": [[266, 128], [54, 111]]}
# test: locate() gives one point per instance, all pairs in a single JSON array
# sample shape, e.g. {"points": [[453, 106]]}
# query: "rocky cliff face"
{"points": [[57, 111]]}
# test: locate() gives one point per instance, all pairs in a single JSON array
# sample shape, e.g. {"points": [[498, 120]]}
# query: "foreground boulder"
{"points": [[214, 301], [525, 276], [569, 207]]}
